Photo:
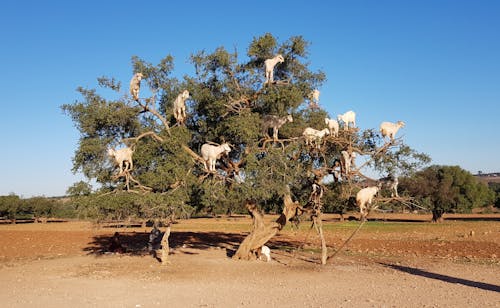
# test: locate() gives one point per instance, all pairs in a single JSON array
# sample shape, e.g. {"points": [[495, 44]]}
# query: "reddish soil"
{"points": [[393, 261]]}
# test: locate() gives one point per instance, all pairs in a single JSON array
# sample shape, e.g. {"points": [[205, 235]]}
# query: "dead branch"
{"points": [[128, 177], [193, 154], [268, 139], [136, 139], [151, 108]]}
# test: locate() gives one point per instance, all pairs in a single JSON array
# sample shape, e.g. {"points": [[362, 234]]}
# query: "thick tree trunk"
{"points": [[165, 249], [437, 216], [262, 233], [318, 224]]}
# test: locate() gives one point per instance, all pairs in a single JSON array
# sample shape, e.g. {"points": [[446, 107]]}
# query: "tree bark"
{"points": [[437, 216], [165, 249], [318, 224], [262, 233]]}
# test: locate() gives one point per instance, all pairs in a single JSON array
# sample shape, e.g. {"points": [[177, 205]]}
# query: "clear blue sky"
{"points": [[433, 64]]}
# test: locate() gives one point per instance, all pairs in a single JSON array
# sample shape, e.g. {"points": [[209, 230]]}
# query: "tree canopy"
{"points": [[228, 102], [445, 189]]}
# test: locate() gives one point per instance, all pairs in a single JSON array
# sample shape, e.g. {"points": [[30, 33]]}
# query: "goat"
{"points": [[389, 129], [364, 199], [123, 158], [311, 134], [180, 106], [391, 182], [270, 64], [210, 153], [314, 98], [274, 122], [348, 117], [135, 85], [347, 160], [333, 125], [264, 250]]}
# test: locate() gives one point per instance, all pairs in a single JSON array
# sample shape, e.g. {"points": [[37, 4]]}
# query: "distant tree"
{"points": [[80, 188], [10, 206], [40, 207], [447, 189], [495, 187]]}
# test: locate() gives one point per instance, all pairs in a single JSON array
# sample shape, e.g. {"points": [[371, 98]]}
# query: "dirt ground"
{"points": [[393, 261]]}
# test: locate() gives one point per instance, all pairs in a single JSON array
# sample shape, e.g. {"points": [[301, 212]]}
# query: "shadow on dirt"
{"points": [[445, 278], [136, 243]]}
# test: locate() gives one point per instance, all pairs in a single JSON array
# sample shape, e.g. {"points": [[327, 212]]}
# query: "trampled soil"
{"points": [[393, 261]]}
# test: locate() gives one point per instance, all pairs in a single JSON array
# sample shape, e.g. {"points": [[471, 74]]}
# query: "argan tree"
{"points": [[447, 189], [229, 100]]}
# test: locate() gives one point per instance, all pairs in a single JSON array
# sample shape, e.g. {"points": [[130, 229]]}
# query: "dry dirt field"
{"points": [[393, 261]]}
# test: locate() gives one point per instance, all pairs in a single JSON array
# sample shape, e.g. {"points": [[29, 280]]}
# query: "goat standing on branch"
{"points": [[180, 107], [348, 117], [333, 126], [314, 99], [269, 65], [313, 135], [210, 153], [389, 129], [135, 85], [347, 160], [364, 199], [274, 122], [123, 158]]}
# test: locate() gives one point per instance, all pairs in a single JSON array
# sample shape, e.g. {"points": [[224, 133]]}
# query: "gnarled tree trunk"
{"points": [[262, 233]]}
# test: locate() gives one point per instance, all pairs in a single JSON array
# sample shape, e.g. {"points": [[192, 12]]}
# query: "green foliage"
{"points": [[447, 189], [10, 206], [227, 103], [39, 206], [79, 189], [337, 199], [123, 205], [495, 187]]}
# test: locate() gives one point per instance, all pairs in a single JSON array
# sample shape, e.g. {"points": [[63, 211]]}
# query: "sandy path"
{"points": [[207, 278]]}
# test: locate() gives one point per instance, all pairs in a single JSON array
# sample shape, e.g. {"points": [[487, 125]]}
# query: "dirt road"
{"points": [[388, 264]]}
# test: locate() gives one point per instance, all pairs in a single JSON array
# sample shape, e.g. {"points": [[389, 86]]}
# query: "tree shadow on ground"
{"points": [[445, 278], [136, 243]]}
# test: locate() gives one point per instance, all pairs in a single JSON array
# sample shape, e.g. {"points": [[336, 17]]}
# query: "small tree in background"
{"points": [[10, 206], [495, 187], [80, 188], [447, 189]]}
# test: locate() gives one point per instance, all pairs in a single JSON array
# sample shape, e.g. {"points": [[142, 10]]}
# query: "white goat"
{"points": [[123, 158], [389, 129], [270, 64], [333, 125], [135, 85], [274, 122], [348, 117], [314, 98], [364, 199], [210, 153], [180, 106], [347, 161], [313, 135], [264, 250]]}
